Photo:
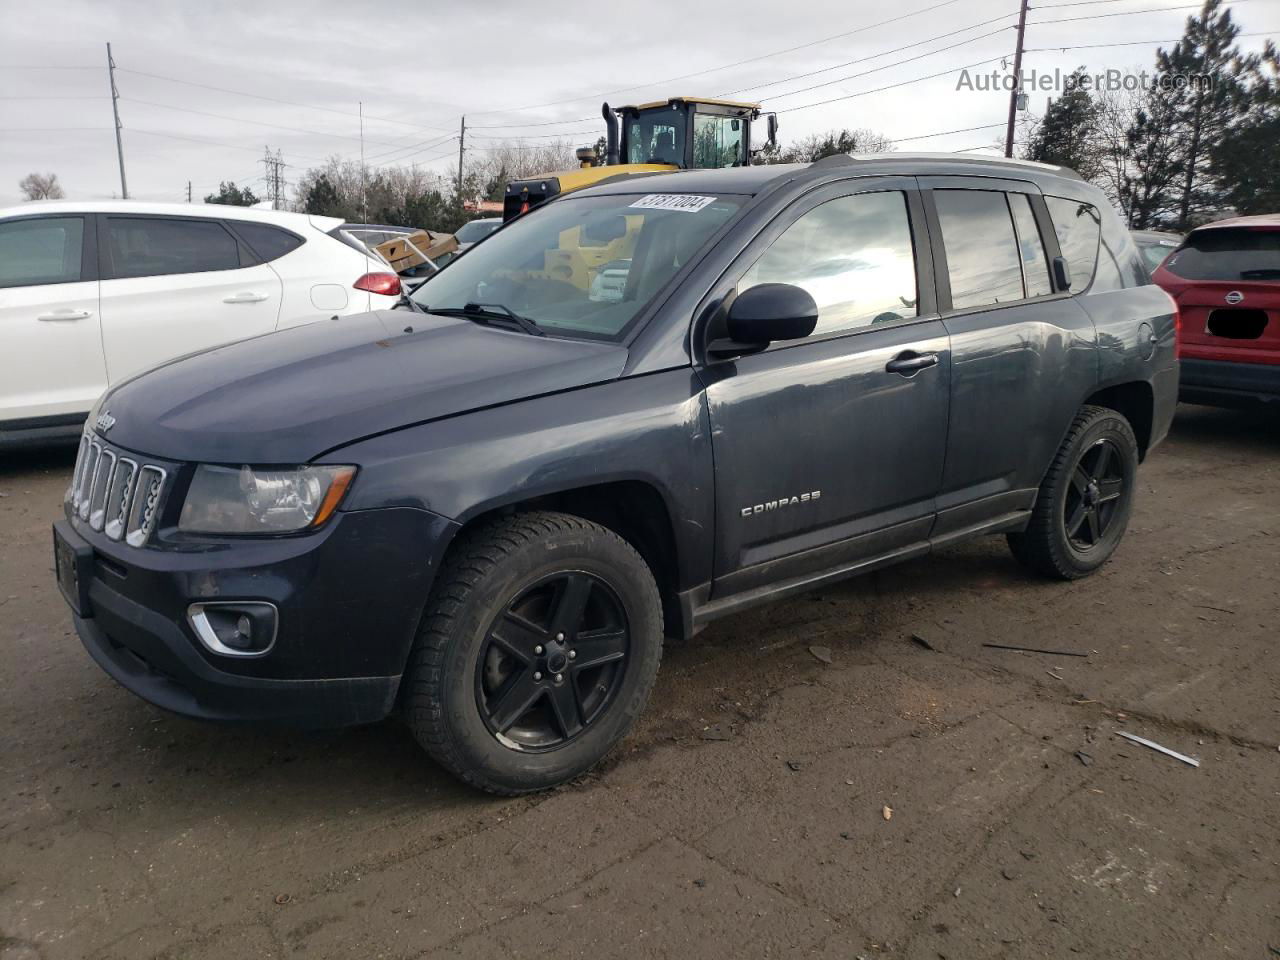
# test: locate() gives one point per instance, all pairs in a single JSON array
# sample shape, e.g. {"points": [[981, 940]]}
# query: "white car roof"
{"points": [[282, 218]]}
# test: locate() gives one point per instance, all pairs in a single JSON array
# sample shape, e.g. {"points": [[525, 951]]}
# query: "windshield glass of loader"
{"points": [[582, 266]]}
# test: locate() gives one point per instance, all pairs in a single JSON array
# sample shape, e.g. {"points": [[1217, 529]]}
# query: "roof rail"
{"points": [[844, 159]]}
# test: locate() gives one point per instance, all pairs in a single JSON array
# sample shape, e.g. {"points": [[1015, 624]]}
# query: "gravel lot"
{"points": [[747, 815]]}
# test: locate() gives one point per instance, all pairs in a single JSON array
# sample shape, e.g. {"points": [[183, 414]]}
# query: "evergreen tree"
{"points": [[1204, 112], [1066, 135], [1246, 163], [322, 198], [232, 195]]}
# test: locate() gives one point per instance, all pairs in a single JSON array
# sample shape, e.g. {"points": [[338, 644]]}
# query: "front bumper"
{"points": [[1228, 383], [349, 599]]}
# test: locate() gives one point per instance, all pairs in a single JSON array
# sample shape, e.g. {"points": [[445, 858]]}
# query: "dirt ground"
{"points": [[746, 817]]}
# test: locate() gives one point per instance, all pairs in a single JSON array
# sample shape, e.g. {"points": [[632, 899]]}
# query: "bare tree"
{"points": [[1117, 110], [41, 186]]}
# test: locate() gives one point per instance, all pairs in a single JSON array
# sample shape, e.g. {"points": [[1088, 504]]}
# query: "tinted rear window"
{"points": [[145, 247], [269, 243], [1078, 226], [1228, 254]]}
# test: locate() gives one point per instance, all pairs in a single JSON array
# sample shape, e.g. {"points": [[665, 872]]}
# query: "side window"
{"points": [[39, 251], [1078, 226], [1035, 265], [147, 247], [270, 243], [855, 257], [1107, 277], [983, 259], [1118, 241]]}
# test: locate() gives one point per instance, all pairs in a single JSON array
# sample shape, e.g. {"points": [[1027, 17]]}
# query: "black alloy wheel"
{"points": [[1093, 497], [552, 661]]}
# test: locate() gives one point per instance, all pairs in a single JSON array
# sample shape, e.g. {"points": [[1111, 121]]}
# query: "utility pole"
{"points": [[364, 189], [462, 139], [188, 191], [1017, 80], [115, 109]]}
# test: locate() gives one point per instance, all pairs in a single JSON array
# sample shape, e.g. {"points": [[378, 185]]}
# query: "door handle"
{"points": [[64, 315], [245, 298], [909, 363]]}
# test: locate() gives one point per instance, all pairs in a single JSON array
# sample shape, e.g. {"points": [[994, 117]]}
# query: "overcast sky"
{"points": [[418, 65]]}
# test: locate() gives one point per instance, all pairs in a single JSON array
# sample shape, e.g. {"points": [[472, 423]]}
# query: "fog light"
{"points": [[234, 628]]}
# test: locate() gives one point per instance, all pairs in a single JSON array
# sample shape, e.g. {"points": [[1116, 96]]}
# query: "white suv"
{"points": [[91, 293]]}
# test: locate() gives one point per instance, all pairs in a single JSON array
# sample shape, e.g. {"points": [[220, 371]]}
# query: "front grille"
{"points": [[115, 493]]}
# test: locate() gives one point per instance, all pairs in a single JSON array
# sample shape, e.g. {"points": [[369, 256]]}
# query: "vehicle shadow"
{"points": [[60, 457], [1241, 430]]}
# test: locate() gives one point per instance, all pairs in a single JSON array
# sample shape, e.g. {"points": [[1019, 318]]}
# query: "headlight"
{"points": [[257, 500]]}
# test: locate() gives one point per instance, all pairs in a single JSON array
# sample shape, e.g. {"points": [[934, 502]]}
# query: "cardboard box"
{"points": [[405, 253]]}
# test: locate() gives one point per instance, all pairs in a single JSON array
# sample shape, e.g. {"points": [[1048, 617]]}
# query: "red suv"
{"points": [[1226, 280]]}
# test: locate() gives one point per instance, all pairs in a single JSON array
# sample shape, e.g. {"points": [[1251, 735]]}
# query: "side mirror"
{"points": [[772, 123], [1061, 273], [764, 313]]}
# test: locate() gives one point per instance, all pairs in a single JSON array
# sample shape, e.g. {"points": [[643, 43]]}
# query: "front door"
{"points": [[172, 286], [51, 366], [829, 450]]}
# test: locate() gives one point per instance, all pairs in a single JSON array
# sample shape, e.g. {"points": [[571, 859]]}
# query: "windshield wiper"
{"points": [[489, 313]]}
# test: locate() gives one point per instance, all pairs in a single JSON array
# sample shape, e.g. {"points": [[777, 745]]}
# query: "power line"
{"points": [[724, 66], [290, 103], [874, 56], [1123, 13], [1135, 43], [887, 66], [943, 133], [891, 86], [256, 123], [214, 143]]}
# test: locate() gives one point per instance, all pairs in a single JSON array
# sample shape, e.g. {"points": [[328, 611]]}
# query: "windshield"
{"points": [[1227, 253], [1154, 251], [476, 230], [582, 266]]}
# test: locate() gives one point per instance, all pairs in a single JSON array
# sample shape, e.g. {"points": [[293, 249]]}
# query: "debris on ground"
{"points": [[1008, 874], [1084, 758], [795, 766], [717, 731], [283, 898], [887, 812], [821, 653], [922, 641], [1191, 761], [1054, 653]]}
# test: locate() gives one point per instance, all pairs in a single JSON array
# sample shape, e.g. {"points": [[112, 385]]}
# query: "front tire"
{"points": [[1085, 500], [536, 654]]}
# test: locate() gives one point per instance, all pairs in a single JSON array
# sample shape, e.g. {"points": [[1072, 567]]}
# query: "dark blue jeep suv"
{"points": [[486, 508]]}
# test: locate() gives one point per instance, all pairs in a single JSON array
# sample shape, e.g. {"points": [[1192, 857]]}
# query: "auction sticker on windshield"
{"points": [[683, 202]]}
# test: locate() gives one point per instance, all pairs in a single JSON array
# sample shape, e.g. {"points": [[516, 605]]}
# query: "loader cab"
{"points": [[687, 133]]}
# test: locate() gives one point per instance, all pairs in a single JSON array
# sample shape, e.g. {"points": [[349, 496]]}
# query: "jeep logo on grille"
{"points": [[1235, 296], [104, 422]]}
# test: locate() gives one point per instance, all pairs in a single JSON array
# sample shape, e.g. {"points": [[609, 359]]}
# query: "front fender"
{"points": [[653, 429]]}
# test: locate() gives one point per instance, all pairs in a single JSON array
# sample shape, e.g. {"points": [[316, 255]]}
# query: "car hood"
{"points": [[290, 396]]}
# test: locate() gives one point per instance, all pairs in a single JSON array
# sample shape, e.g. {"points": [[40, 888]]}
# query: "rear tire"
{"points": [[537, 652], [1085, 500]]}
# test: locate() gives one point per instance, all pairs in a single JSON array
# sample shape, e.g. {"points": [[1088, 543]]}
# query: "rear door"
{"points": [[1023, 353], [176, 285], [51, 362], [1228, 293], [828, 450]]}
